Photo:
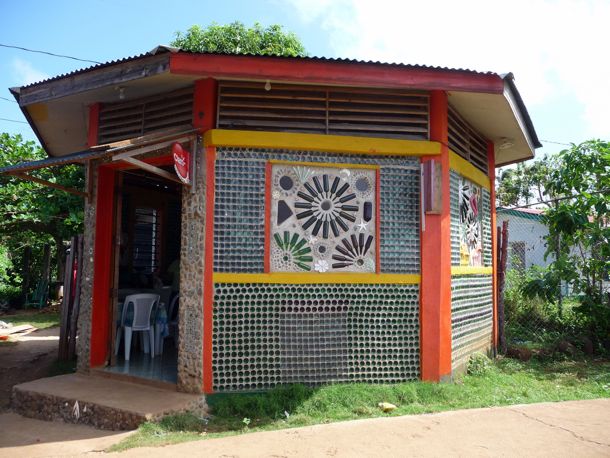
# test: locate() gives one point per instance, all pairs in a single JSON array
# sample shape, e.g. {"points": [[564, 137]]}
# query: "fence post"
{"points": [[502, 257]]}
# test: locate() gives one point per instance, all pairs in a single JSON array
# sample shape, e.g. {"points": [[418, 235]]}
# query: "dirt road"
{"points": [[577, 428], [28, 359]]}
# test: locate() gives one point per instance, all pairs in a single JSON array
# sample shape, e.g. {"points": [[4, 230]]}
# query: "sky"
{"points": [[557, 49]]}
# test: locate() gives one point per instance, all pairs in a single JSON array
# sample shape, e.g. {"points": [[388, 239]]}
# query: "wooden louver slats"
{"points": [[466, 141], [119, 121], [323, 110]]}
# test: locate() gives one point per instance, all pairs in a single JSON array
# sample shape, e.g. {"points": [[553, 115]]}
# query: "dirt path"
{"points": [[29, 359], [575, 428]]}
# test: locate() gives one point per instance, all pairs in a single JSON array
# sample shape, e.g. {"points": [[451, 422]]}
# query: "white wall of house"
{"points": [[526, 235]]}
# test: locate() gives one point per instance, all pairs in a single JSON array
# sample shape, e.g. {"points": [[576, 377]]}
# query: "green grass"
{"points": [[36, 319], [505, 382]]}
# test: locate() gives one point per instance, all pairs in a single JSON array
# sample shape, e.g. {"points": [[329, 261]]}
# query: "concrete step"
{"points": [[101, 402]]}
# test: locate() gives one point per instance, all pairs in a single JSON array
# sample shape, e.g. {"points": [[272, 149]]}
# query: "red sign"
{"points": [[182, 161]]}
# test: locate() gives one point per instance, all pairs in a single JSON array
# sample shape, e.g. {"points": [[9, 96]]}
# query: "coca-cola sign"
{"points": [[182, 160]]}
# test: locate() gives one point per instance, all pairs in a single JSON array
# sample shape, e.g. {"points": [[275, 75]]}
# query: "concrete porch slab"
{"points": [[102, 402]]}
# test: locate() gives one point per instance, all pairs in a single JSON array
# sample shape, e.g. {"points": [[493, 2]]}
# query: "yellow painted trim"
{"points": [[313, 278], [327, 164], [317, 142], [467, 270], [467, 170]]}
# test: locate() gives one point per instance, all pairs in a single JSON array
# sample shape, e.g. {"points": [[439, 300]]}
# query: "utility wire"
{"points": [[49, 53], [556, 143], [557, 199], [8, 100], [13, 120]]}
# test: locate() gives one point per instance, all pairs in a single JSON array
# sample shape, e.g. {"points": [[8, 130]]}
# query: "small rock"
{"points": [[386, 406]]}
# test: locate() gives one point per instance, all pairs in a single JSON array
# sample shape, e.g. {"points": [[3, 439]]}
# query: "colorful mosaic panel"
{"points": [[322, 219], [471, 316], [466, 221], [240, 214], [270, 334]]}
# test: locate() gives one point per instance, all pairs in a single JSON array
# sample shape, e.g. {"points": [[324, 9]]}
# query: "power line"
{"points": [[556, 143], [8, 100], [557, 199], [13, 120], [50, 53]]}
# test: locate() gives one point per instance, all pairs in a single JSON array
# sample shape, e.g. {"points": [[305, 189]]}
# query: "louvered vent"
{"points": [[467, 142], [323, 110], [119, 121]]}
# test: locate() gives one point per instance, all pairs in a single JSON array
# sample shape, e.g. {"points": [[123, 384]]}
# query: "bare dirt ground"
{"points": [[573, 428], [28, 359]]}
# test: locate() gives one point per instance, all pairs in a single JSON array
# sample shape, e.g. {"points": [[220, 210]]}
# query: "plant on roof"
{"points": [[236, 38]]}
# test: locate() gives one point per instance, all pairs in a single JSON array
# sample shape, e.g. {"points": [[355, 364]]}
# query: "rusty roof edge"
{"points": [[163, 49]]}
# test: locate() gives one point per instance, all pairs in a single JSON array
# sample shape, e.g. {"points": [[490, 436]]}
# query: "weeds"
{"points": [[498, 383]]}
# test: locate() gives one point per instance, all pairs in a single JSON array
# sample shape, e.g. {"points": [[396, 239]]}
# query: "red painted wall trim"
{"points": [[268, 176], [208, 272], [491, 158], [435, 293], [341, 73], [204, 104], [94, 118], [102, 272]]}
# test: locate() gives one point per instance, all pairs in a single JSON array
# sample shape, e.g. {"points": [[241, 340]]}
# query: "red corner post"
{"points": [[491, 161], [204, 118], [102, 277], [94, 118], [435, 294]]}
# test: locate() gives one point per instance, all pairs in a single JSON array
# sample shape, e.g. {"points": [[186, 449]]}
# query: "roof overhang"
{"points": [[502, 119], [58, 109]]}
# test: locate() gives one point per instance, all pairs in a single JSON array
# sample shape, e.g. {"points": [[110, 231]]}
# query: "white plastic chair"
{"points": [[172, 326], [143, 306]]}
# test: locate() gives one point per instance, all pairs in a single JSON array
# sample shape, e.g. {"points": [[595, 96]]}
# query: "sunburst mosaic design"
{"points": [[322, 219]]}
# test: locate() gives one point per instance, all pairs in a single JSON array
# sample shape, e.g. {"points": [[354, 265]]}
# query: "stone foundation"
{"points": [[190, 341]]}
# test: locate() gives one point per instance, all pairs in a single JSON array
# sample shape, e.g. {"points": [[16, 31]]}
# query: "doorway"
{"points": [[146, 247]]}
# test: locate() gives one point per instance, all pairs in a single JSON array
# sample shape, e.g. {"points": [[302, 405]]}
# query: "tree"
{"points": [[32, 215], [527, 183], [581, 220], [236, 38]]}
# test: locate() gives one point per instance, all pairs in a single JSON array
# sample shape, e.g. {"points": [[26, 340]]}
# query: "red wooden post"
{"points": [[435, 293]]}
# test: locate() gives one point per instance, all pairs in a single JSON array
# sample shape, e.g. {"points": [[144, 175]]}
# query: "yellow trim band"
{"points": [[468, 270], [327, 164], [317, 142], [298, 278], [467, 170]]}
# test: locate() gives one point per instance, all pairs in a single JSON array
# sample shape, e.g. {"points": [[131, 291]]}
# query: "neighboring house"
{"points": [[290, 191], [527, 237]]}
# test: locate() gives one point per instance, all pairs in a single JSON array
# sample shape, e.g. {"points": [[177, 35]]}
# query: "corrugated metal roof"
{"points": [[161, 49]]}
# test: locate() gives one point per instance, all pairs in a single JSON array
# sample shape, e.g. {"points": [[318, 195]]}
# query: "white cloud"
{"points": [[555, 48], [24, 73]]}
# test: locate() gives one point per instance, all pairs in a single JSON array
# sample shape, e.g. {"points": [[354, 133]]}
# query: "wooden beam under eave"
{"points": [[50, 184], [152, 169]]}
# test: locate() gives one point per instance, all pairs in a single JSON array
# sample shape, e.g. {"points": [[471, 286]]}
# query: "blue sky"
{"points": [[555, 48]]}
